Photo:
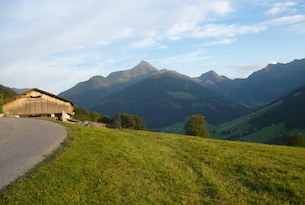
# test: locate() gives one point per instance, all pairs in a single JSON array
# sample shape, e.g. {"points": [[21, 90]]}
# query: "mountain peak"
{"points": [[144, 66], [140, 71], [211, 76], [144, 63]]}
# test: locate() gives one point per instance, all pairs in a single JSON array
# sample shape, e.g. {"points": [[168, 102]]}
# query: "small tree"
{"points": [[126, 121], [95, 116], [139, 122], [108, 121], [195, 126], [297, 140], [82, 114]]}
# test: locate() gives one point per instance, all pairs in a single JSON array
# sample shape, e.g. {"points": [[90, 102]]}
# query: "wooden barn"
{"points": [[38, 103]]}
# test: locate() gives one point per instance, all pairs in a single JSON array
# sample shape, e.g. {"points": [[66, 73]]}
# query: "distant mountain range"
{"points": [[262, 86], [164, 97], [167, 98], [97, 88]]}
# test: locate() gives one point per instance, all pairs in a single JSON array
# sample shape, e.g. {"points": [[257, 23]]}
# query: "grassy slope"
{"points": [[271, 124], [1, 101], [5, 94], [137, 167], [238, 129]]}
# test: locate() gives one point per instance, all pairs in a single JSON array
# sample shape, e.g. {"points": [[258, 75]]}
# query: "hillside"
{"points": [[104, 166], [169, 97], [97, 88], [20, 90], [5, 94], [261, 87], [271, 124]]}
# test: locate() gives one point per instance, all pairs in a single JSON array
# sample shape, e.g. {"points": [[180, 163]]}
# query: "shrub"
{"points": [[296, 140], [195, 126]]}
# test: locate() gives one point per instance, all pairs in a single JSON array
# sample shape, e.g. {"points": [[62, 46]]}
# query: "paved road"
{"points": [[24, 143]]}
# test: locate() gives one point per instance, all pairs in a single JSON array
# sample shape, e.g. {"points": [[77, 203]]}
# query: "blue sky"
{"points": [[53, 45]]}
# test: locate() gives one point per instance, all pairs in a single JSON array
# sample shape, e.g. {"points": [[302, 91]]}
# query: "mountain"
{"points": [[213, 81], [5, 94], [169, 97], [20, 90], [142, 71], [212, 77], [160, 97], [98, 87], [262, 86], [271, 124]]}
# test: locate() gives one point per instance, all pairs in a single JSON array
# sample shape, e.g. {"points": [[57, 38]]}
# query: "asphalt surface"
{"points": [[24, 143]]}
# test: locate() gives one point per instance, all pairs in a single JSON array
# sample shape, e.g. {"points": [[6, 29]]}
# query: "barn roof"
{"points": [[41, 91]]}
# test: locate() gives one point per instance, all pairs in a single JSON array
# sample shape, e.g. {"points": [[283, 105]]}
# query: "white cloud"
{"points": [[194, 56], [41, 28], [225, 41], [47, 73], [286, 20], [242, 71], [151, 39], [194, 15], [223, 30], [281, 7]]}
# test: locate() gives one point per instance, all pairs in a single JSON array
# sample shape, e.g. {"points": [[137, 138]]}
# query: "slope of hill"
{"points": [[262, 86], [96, 88], [213, 81], [271, 124], [169, 97], [5, 94], [20, 90], [105, 166]]}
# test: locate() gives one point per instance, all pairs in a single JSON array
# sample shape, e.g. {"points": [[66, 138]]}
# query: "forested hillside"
{"points": [[271, 124], [168, 98], [5, 94], [261, 87]]}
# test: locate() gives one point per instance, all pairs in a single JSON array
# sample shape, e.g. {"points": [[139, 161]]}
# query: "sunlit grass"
{"points": [[105, 166]]}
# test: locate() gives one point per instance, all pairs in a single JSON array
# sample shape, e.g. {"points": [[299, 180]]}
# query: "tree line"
{"points": [[194, 126], [121, 120]]}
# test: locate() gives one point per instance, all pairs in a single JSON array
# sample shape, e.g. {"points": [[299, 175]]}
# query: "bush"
{"points": [[84, 115], [195, 126], [127, 121], [296, 140]]}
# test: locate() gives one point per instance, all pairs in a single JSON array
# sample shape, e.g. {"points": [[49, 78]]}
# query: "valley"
{"points": [[165, 99], [266, 107]]}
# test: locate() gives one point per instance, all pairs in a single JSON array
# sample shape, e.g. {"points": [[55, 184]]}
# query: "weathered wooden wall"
{"points": [[36, 103]]}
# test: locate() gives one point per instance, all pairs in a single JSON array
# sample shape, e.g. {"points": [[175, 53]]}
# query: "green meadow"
{"points": [[108, 166]]}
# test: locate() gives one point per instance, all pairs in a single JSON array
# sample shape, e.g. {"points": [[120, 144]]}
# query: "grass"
{"points": [[105, 166], [239, 129], [1, 101]]}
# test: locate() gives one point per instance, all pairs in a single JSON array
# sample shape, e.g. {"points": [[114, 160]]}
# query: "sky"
{"points": [[54, 44]]}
